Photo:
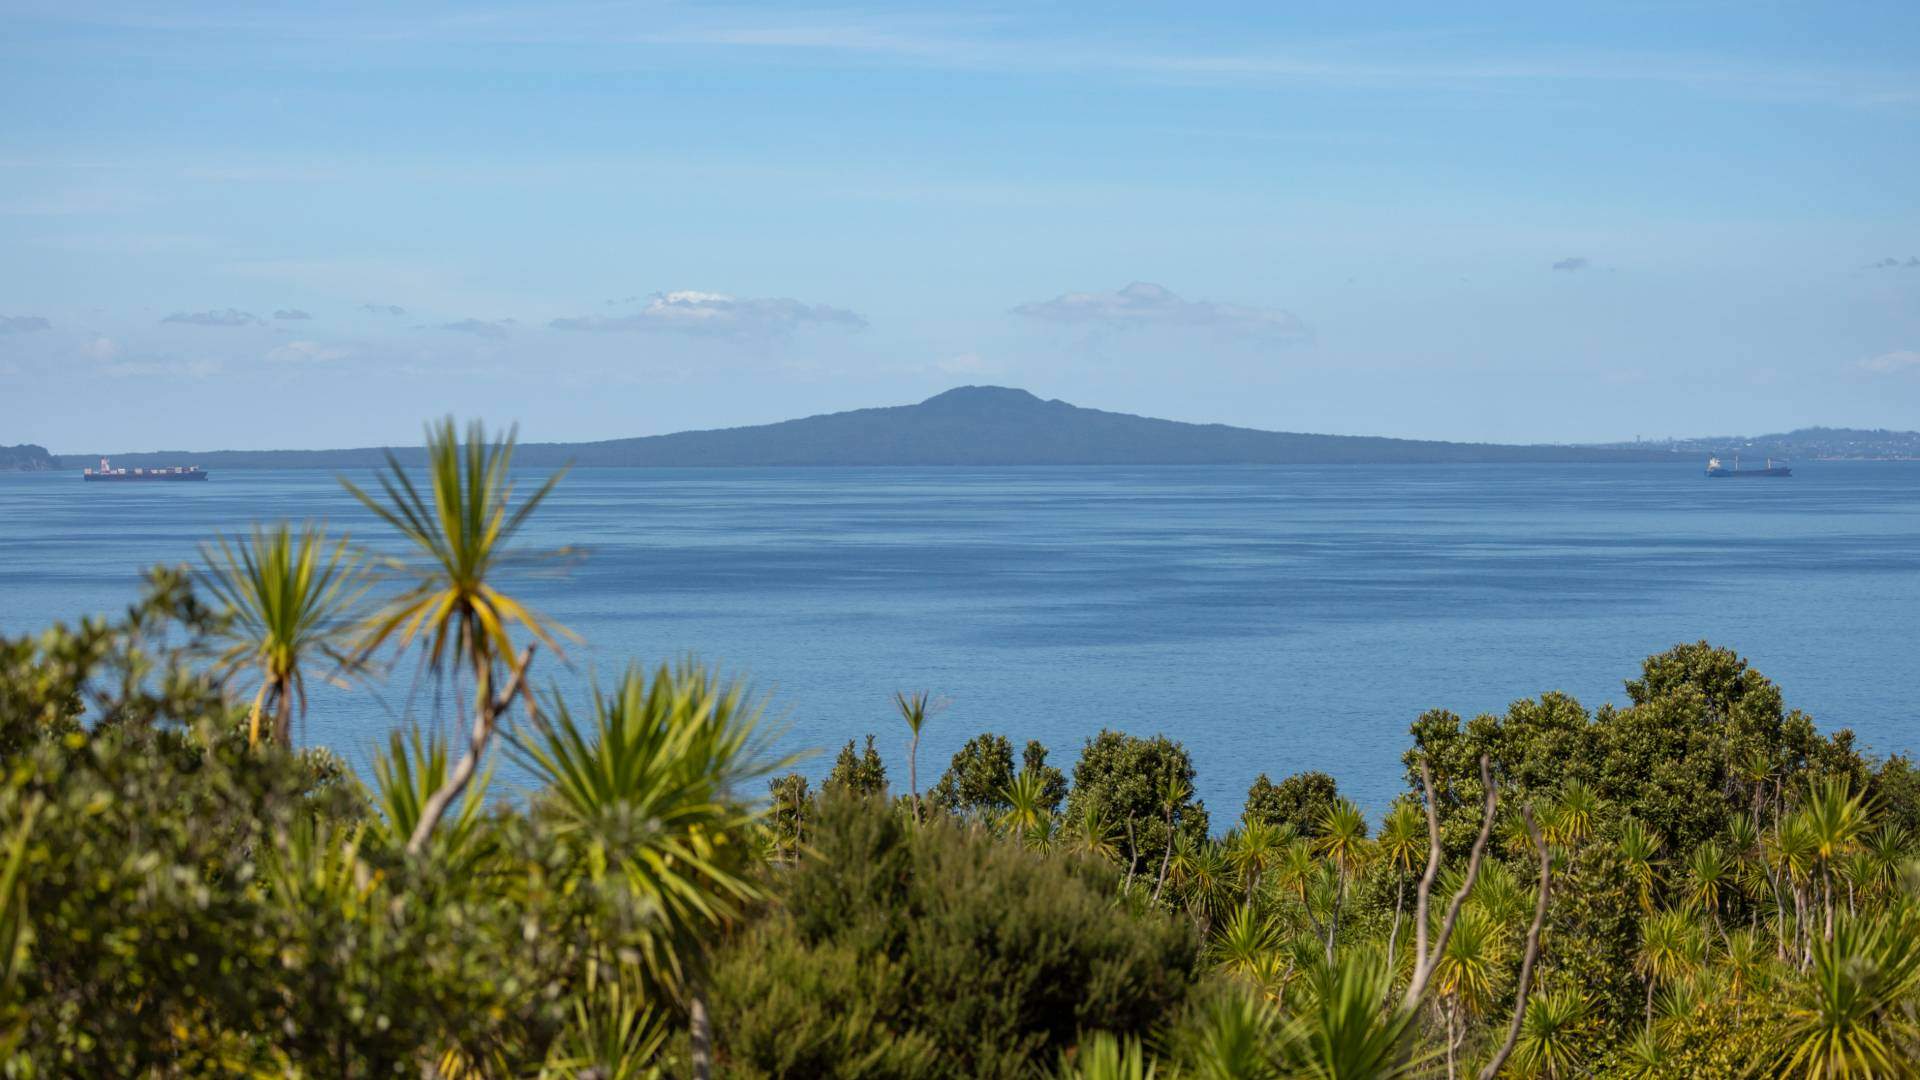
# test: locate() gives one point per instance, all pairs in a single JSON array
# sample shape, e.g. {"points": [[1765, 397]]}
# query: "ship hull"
{"points": [[143, 478], [1741, 474]]}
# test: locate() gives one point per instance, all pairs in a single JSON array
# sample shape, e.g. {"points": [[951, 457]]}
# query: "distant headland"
{"points": [[26, 458], [969, 425]]}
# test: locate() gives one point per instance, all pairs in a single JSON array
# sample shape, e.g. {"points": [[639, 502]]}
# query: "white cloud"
{"points": [[717, 315], [100, 348], [307, 352], [1572, 262], [162, 369], [1144, 304], [229, 317], [1898, 362]]}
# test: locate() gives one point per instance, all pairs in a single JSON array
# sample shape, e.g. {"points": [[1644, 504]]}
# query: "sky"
{"points": [[271, 225]]}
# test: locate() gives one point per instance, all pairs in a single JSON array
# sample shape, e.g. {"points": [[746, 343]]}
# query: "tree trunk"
{"points": [[1166, 855], [283, 715], [913, 774], [1399, 901], [486, 711], [1452, 1043], [699, 1036], [1532, 953]]}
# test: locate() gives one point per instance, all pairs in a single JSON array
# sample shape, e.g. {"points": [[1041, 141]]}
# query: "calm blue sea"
{"points": [[1271, 618]]}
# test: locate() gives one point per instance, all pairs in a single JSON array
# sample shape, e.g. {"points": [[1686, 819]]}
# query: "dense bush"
{"points": [[890, 942]]}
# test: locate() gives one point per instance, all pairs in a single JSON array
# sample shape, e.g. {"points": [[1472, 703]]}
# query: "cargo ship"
{"points": [[1714, 468], [106, 471]]}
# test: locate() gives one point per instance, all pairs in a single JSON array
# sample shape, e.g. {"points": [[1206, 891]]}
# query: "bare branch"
{"points": [[1425, 962], [1533, 949], [1427, 877], [483, 721]]}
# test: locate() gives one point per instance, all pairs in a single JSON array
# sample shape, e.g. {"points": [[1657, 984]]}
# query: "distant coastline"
{"points": [[27, 458], [970, 425]]}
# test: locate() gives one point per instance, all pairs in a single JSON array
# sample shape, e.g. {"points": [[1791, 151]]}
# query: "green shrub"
{"points": [[939, 943]]}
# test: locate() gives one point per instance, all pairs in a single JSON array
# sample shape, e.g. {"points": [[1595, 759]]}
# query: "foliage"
{"points": [[288, 600], [1299, 802], [995, 957], [862, 773], [1126, 780], [974, 783]]}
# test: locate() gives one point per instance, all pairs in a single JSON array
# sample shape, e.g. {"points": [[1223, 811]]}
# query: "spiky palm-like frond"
{"points": [[1026, 798], [1102, 1056], [1474, 963], [1639, 852], [1568, 820], [1342, 1033], [461, 530], [1093, 833], [614, 1034], [406, 775], [1343, 837], [1231, 1038], [289, 598], [1850, 1015], [1550, 1029], [650, 792], [1244, 941], [1709, 874]]}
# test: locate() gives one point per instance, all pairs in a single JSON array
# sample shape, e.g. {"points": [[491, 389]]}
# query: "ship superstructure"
{"points": [[1715, 468], [106, 471]]}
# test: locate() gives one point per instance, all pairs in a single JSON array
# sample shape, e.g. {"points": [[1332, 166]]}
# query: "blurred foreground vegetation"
{"points": [[1699, 883]]}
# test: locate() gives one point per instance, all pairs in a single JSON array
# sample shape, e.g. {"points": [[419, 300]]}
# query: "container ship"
{"points": [[1715, 468], [106, 471]]}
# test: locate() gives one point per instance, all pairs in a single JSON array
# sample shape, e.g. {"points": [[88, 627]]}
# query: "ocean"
{"points": [[1272, 619]]}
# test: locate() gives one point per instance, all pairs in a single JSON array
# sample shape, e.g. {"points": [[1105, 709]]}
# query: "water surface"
{"points": [[1271, 618]]}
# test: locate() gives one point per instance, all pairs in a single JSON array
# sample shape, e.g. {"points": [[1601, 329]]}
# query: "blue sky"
{"points": [[258, 225]]}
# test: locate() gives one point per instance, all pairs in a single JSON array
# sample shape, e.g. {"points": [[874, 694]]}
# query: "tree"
{"points": [[1126, 780], [990, 957], [860, 773], [1851, 1013], [1052, 783], [1300, 801], [289, 600], [649, 795], [977, 778], [454, 607], [913, 709]]}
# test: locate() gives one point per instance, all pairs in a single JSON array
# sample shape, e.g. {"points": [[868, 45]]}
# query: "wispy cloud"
{"points": [[23, 324], [291, 313], [717, 315], [307, 352], [1912, 262], [1143, 304], [1898, 362], [162, 368], [383, 309], [1572, 263], [1013, 43], [228, 317], [497, 330]]}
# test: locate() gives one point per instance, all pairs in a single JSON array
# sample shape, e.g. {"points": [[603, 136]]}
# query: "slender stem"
{"points": [[1425, 962], [1533, 950], [486, 712]]}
